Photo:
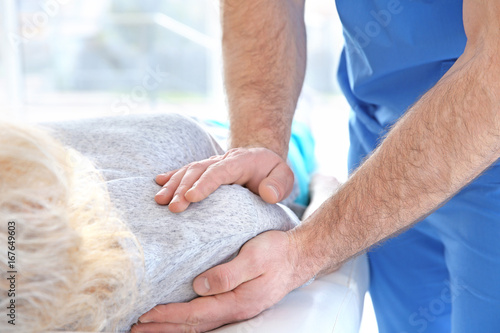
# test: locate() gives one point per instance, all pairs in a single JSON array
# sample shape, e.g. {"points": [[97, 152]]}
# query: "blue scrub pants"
{"points": [[443, 274]]}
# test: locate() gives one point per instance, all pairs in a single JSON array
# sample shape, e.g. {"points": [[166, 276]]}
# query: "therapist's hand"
{"points": [[264, 271], [259, 169]]}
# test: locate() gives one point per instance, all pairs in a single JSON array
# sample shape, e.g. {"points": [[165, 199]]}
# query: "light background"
{"points": [[71, 59]]}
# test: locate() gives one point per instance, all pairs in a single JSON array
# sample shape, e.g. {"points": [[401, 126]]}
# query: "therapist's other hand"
{"points": [[264, 271], [259, 169]]}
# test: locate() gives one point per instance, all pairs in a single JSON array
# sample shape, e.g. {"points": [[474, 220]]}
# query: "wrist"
{"points": [[305, 267], [319, 251], [253, 130], [280, 149]]}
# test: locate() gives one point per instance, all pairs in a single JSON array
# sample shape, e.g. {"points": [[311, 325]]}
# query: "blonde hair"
{"points": [[76, 268]]}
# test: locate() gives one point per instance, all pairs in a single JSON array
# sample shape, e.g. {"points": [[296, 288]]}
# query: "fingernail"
{"points": [[275, 190], [162, 192], [175, 199], [207, 285], [190, 191], [162, 175], [202, 286]]}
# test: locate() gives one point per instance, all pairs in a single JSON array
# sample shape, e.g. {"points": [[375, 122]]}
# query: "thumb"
{"points": [[277, 185], [226, 277]]}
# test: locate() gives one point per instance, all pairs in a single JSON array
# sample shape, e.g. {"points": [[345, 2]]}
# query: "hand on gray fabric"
{"points": [[264, 271], [259, 169]]}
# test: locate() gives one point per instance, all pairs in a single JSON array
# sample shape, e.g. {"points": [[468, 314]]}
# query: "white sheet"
{"points": [[332, 303]]}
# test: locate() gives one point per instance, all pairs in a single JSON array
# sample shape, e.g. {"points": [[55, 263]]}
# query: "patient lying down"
{"points": [[93, 251]]}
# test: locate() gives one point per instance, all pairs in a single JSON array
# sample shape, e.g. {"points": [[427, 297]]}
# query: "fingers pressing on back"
{"points": [[228, 276], [178, 183], [163, 178], [226, 171], [166, 194], [259, 169]]}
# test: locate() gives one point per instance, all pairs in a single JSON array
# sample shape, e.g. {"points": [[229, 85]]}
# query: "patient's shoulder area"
{"points": [[178, 247], [130, 151], [137, 144]]}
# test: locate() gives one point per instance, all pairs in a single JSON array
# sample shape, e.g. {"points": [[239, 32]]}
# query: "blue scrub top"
{"points": [[395, 50]]}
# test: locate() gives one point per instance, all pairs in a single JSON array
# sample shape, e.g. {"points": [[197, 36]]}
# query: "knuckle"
{"points": [[233, 169], [253, 259], [256, 311], [241, 315], [161, 309], [196, 166], [211, 184], [182, 188], [219, 173], [245, 313], [228, 171], [213, 167], [288, 171], [237, 153], [176, 177], [192, 320], [223, 279], [285, 178], [232, 151]]}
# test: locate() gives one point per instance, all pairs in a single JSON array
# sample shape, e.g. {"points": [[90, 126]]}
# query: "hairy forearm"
{"points": [[264, 63], [443, 142]]}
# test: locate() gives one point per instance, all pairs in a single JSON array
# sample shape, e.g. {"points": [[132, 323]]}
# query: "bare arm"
{"points": [[264, 49], [444, 141], [264, 63]]}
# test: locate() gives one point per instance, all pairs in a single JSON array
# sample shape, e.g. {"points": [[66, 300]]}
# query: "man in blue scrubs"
{"points": [[422, 78], [445, 270]]}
